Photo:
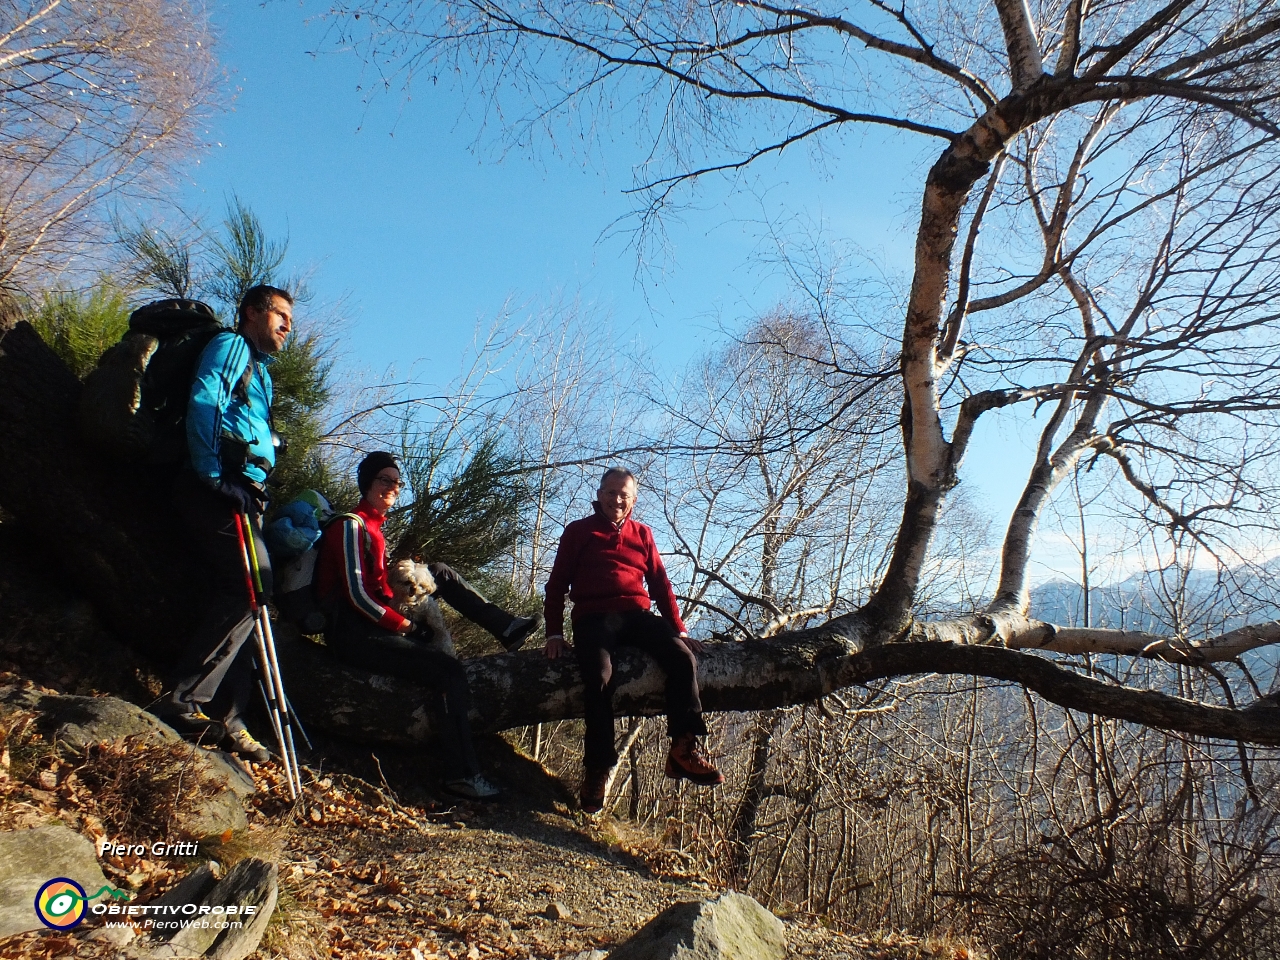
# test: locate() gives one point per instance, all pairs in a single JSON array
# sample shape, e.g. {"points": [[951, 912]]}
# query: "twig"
{"points": [[394, 800]]}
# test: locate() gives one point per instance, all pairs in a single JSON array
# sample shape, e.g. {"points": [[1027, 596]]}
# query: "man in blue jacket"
{"points": [[232, 451]]}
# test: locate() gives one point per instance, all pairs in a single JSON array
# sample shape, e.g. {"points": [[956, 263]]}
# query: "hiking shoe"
{"points": [[591, 796], [686, 761], [192, 723], [521, 629], [473, 788], [243, 745]]}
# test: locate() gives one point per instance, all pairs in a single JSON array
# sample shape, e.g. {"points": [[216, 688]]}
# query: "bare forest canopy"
{"points": [[1095, 261], [98, 103]]}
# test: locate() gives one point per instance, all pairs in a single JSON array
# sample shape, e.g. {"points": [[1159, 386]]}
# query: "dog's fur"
{"points": [[412, 585]]}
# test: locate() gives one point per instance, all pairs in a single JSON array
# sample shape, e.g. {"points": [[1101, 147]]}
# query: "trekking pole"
{"points": [[268, 650], [260, 661], [273, 707], [270, 685], [266, 698], [264, 617], [293, 713], [297, 722]]}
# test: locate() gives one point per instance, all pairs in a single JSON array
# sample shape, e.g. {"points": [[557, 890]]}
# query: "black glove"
{"points": [[243, 499]]}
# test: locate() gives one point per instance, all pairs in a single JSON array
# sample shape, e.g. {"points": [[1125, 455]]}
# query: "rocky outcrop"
{"points": [[31, 858], [731, 927], [74, 723], [250, 883]]}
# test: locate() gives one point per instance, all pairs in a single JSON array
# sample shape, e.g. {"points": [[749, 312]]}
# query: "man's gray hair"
{"points": [[618, 472]]}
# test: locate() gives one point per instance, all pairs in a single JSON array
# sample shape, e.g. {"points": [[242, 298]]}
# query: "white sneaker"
{"points": [[473, 788]]}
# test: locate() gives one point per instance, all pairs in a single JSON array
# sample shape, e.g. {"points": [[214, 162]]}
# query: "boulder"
{"points": [[190, 889], [118, 937], [76, 722], [731, 927], [250, 882], [30, 858]]}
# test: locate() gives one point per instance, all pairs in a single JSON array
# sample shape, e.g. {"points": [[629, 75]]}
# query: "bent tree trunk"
{"points": [[108, 531], [521, 689]]}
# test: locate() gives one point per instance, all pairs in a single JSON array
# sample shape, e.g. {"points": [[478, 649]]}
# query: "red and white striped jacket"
{"points": [[352, 568]]}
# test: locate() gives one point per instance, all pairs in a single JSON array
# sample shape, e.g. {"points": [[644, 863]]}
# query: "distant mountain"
{"points": [[1147, 601]]}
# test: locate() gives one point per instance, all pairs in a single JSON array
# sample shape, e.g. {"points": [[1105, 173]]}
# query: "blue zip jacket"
{"points": [[216, 408]]}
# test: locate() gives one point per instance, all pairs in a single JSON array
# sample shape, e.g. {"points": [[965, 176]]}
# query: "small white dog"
{"points": [[412, 585]]}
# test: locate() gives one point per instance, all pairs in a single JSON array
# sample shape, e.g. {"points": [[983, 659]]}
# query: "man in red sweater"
{"points": [[604, 563]]}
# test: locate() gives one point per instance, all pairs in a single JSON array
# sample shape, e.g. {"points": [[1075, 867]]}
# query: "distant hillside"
{"points": [[1148, 601]]}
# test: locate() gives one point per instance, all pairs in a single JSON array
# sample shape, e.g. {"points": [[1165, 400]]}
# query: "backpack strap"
{"points": [[241, 388], [366, 540]]}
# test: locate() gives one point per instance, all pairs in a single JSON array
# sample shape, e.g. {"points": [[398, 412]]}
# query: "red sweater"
{"points": [[352, 568], [604, 569]]}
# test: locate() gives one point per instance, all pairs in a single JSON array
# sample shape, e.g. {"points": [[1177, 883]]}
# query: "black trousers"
{"points": [[595, 637], [455, 591], [216, 669], [356, 641]]}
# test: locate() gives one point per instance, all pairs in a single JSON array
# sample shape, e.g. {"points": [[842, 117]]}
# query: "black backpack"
{"points": [[134, 404]]}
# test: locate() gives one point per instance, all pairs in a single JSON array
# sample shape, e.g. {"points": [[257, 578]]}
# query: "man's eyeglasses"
{"points": [[390, 484]]}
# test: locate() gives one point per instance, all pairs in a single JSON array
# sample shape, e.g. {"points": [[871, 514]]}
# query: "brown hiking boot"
{"points": [[685, 760], [591, 797]]}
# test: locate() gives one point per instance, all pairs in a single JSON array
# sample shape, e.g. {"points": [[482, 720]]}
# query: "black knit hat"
{"points": [[371, 466]]}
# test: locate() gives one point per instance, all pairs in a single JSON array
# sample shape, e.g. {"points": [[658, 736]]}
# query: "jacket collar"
{"points": [[601, 518], [370, 514]]}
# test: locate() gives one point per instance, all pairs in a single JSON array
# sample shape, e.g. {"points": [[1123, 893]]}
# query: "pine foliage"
{"points": [[468, 505], [300, 377], [80, 326]]}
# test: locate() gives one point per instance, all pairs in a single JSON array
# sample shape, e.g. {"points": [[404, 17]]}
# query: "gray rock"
{"points": [[29, 858], [190, 889], [587, 955], [558, 911], [731, 927], [76, 722], [250, 882]]}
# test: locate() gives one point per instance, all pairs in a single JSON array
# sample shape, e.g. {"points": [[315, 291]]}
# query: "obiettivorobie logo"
{"points": [[61, 903]]}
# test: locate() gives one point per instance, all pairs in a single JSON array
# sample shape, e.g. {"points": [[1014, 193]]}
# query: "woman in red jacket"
{"points": [[367, 632], [610, 567]]}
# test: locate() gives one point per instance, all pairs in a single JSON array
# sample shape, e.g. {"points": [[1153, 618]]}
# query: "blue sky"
{"points": [[427, 225]]}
